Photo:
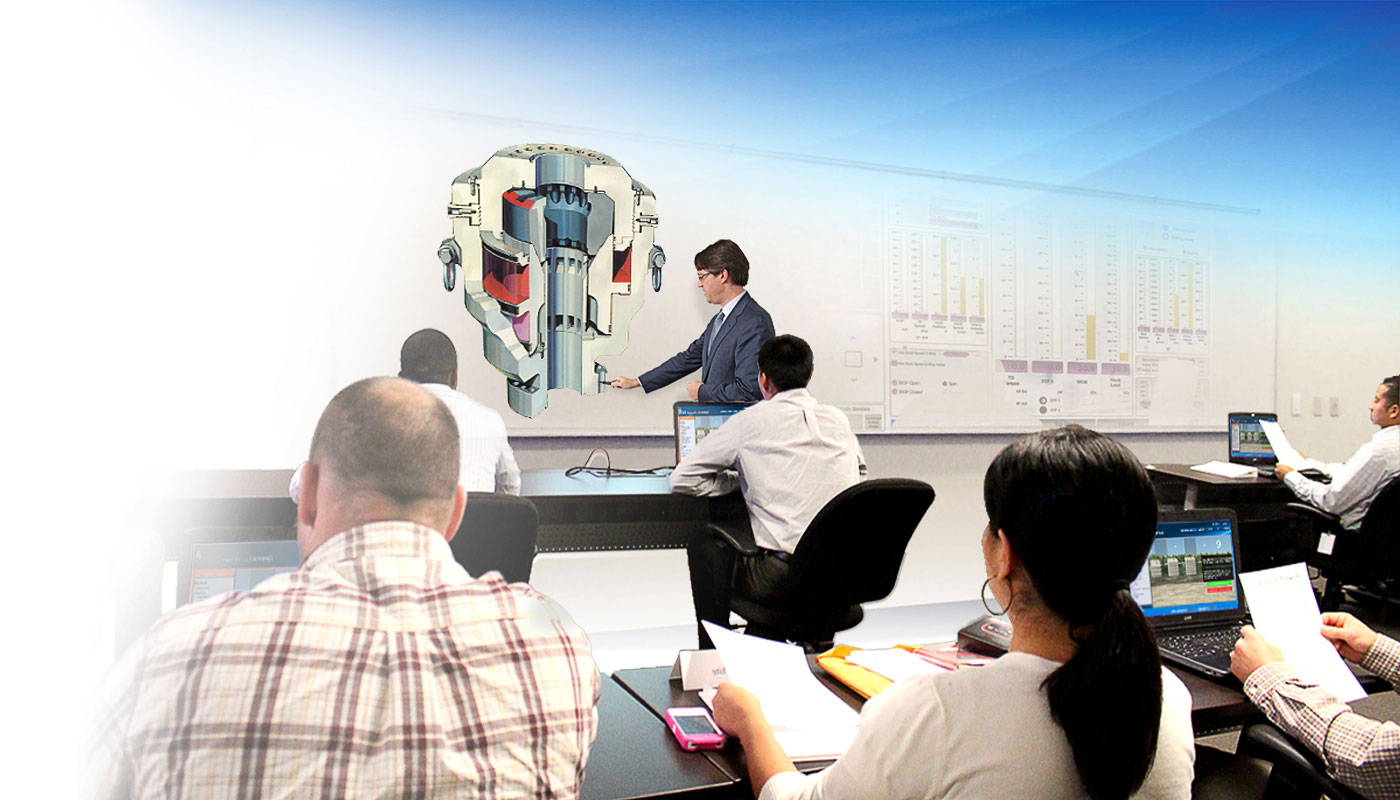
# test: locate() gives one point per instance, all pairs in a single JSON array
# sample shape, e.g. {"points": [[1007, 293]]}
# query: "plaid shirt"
{"points": [[1360, 752], [378, 669]]}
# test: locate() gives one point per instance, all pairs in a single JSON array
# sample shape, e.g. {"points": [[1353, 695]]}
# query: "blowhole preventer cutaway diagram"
{"points": [[554, 246]]}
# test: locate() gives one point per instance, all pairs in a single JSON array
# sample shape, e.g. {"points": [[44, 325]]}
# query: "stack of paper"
{"points": [[1227, 470], [1284, 451], [810, 722], [894, 664]]}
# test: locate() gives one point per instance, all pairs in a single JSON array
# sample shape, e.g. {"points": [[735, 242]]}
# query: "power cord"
{"points": [[608, 470]]}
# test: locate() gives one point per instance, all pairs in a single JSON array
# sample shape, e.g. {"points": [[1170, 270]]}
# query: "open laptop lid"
{"points": [[695, 421], [1248, 444], [218, 560], [1190, 577]]}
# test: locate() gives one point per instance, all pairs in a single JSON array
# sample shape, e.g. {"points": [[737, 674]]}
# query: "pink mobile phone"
{"points": [[694, 728]]}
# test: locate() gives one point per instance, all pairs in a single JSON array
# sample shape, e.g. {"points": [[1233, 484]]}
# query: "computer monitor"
{"points": [[218, 560], [1191, 570], [695, 421], [1248, 444]]}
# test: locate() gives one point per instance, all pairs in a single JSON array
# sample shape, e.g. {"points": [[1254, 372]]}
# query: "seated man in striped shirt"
{"points": [[379, 668]]}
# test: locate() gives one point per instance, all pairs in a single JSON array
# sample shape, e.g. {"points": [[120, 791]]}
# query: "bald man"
{"points": [[379, 668]]}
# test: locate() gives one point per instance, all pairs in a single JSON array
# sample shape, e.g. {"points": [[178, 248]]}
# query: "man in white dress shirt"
{"points": [[789, 455], [1375, 464], [429, 359], [488, 465]]}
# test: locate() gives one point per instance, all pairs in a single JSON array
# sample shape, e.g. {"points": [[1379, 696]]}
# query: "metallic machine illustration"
{"points": [[549, 240]]}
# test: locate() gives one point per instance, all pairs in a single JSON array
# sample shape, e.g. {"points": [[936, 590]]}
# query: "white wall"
{"points": [[1338, 335]]}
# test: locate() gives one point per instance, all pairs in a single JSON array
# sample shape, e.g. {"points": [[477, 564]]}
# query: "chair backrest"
{"points": [[852, 550], [1382, 519], [498, 531]]}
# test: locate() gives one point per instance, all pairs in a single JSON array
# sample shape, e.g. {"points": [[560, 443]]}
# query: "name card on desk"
{"points": [[699, 669]]}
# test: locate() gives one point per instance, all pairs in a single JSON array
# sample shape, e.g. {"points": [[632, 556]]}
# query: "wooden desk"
{"points": [[626, 512], [653, 687], [1268, 536], [635, 757], [1253, 499]]}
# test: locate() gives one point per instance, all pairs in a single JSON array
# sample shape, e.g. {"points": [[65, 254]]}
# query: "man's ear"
{"points": [[459, 507], [306, 495]]}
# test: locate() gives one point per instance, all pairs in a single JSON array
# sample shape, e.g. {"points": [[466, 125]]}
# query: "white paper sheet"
{"points": [[1227, 470], [1284, 451], [808, 720], [893, 663], [1285, 612]]}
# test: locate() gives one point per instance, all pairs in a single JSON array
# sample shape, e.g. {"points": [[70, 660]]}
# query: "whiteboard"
{"points": [[948, 305]]}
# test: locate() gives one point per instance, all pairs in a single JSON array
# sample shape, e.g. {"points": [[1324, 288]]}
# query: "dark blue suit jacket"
{"points": [[730, 374]]}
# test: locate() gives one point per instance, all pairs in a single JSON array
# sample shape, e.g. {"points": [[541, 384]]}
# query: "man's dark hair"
{"points": [[787, 361], [389, 437], [1392, 391], [724, 255], [428, 357]]}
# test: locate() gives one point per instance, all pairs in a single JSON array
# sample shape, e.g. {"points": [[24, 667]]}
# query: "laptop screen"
{"points": [[1248, 444], [1191, 568], [213, 567], [695, 421]]}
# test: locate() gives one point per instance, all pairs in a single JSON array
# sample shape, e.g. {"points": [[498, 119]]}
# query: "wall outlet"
{"points": [[1317, 405], [1334, 406], [1297, 404]]}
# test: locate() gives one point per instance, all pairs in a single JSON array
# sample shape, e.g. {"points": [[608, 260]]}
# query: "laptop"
{"points": [[1248, 443], [695, 421], [217, 560], [1189, 590]]}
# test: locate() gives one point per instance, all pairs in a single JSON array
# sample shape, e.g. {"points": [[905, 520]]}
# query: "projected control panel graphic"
{"points": [[554, 245]]}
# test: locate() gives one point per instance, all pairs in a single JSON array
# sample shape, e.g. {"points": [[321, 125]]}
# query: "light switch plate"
{"points": [[1317, 405], [1334, 406], [1297, 404]]}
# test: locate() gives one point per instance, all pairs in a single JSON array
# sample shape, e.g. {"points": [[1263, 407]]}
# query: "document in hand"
{"points": [[1287, 456], [1285, 612], [810, 722]]}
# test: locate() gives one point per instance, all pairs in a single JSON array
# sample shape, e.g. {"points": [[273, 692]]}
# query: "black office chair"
{"points": [[850, 554], [1368, 557], [498, 531], [1297, 773]]}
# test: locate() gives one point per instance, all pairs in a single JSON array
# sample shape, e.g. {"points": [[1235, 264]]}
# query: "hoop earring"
{"points": [[985, 605]]}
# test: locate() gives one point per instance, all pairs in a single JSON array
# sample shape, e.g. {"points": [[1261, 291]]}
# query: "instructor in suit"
{"points": [[727, 352]]}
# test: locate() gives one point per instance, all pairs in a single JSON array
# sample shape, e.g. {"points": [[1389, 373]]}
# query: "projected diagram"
{"points": [[1042, 313], [554, 245]]}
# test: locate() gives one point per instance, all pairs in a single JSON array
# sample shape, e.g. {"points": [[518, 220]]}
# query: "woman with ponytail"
{"points": [[1079, 708]]}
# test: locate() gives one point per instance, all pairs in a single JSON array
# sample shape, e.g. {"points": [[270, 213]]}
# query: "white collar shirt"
{"points": [[789, 456], [488, 464], [1356, 483]]}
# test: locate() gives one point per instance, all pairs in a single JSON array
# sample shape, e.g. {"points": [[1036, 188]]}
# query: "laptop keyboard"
{"points": [[1209, 647]]}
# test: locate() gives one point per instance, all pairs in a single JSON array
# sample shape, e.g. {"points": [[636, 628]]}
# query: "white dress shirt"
{"points": [[488, 465], [1356, 483], [788, 455], [983, 732]]}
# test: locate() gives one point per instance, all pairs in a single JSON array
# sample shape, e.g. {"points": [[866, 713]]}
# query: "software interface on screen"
{"points": [[1190, 570], [695, 422], [1247, 439], [218, 567]]}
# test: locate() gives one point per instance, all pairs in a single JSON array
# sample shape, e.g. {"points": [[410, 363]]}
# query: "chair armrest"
{"points": [[737, 536], [1300, 765], [1314, 514]]}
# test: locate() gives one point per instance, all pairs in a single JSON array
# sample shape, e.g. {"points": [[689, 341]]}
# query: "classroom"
{"points": [[987, 219]]}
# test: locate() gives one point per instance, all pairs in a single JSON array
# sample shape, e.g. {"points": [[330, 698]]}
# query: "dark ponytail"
{"points": [[1079, 512]]}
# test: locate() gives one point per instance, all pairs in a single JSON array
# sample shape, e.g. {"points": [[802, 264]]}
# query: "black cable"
{"points": [[608, 470]]}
